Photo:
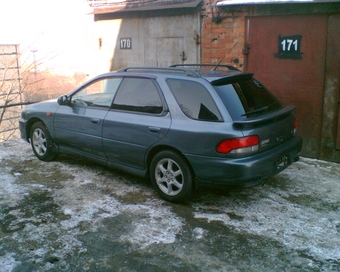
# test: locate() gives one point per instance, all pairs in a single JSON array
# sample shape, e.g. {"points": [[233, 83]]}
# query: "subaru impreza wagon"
{"points": [[180, 126]]}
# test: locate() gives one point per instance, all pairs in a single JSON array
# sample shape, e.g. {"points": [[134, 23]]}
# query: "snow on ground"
{"points": [[304, 214], [79, 204], [298, 209]]}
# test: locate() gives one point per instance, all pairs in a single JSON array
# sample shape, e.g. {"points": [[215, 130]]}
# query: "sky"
{"points": [[55, 30]]}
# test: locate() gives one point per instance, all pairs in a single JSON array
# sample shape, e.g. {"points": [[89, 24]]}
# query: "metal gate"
{"points": [[332, 84], [289, 54], [155, 40]]}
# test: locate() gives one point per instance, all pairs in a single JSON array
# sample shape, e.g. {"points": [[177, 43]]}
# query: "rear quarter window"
{"points": [[194, 100]]}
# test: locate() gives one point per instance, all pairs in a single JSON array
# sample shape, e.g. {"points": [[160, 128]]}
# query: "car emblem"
{"points": [[279, 139], [265, 142]]}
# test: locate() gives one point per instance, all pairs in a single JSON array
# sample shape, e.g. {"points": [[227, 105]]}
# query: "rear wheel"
{"points": [[172, 176], [41, 142]]}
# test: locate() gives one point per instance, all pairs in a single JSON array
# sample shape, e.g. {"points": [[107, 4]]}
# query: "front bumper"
{"points": [[245, 171], [22, 129]]}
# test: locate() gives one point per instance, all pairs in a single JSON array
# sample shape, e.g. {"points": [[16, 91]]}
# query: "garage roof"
{"points": [[112, 6]]}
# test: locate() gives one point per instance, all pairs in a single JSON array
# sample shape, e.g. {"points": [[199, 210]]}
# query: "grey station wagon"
{"points": [[181, 126]]}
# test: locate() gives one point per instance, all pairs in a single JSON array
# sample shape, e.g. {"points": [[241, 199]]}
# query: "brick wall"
{"points": [[222, 34]]}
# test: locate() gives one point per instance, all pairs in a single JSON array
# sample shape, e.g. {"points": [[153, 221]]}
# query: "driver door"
{"points": [[78, 125]]}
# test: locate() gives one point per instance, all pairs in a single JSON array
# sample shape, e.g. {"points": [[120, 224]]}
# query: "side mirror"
{"points": [[63, 100]]}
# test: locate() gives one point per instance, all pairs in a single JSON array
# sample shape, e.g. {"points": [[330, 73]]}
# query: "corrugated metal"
{"points": [[137, 5], [257, 2]]}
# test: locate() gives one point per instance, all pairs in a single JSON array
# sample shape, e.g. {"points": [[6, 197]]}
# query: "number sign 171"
{"points": [[289, 47]]}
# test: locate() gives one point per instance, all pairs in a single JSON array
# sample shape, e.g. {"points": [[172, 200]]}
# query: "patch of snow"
{"points": [[275, 211], [8, 262], [199, 233], [157, 225], [91, 212], [10, 193], [295, 225]]}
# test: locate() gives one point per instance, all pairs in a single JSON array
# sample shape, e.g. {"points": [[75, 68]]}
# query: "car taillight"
{"points": [[240, 146], [295, 126]]}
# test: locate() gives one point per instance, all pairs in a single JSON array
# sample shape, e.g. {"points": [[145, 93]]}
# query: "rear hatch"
{"points": [[255, 110]]}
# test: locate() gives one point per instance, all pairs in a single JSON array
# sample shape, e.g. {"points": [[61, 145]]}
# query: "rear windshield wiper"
{"points": [[256, 111]]}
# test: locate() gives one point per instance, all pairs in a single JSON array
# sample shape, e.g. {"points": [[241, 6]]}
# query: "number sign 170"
{"points": [[125, 43]]}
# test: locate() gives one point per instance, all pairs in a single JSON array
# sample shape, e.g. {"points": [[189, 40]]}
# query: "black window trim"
{"points": [[165, 108]]}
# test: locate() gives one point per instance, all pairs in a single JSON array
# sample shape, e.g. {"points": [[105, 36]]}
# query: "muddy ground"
{"points": [[73, 215]]}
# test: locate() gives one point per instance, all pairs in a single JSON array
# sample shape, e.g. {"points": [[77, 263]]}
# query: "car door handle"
{"points": [[95, 121], [154, 129]]}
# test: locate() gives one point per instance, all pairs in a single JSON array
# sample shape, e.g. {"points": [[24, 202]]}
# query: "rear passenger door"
{"points": [[137, 120]]}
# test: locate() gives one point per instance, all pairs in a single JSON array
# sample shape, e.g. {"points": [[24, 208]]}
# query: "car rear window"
{"points": [[246, 97]]}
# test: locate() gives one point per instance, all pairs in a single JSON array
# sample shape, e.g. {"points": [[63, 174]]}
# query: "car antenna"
{"points": [[214, 69]]}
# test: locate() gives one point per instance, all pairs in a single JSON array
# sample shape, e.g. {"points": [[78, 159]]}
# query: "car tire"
{"points": [[41, 142], [171, 176]]}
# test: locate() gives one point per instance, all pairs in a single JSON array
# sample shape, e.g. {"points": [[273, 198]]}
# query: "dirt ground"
{"points": [[74, 215]]}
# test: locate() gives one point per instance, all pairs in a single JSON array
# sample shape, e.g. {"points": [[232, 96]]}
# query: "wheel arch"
{"points": [[29, 125], [155, 150]]}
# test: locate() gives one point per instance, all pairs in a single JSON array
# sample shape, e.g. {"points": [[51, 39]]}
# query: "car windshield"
{"points": [[246, 97]]}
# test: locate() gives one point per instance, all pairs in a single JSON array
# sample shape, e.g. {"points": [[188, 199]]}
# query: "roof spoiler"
{"points": [[254, 121]]}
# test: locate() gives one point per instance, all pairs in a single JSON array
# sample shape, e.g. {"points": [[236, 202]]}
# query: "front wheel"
{"points": [[171, 176], [41, 142]]}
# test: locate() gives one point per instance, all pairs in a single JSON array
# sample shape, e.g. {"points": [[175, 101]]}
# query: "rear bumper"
{"points": [[246, 171]]}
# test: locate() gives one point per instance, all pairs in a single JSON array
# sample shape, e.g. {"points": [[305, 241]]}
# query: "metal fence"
{"points": [[10, 91]]}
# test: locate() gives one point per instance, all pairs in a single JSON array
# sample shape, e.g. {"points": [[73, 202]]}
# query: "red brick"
{"points": [[225, 41], [218, 45], [232, 35], [218, 30], [206, 60], [239, 20], [207, 26], [228, 25], [205, 41], [240, 41], [237, 25], [240, 14], [238, 30]]}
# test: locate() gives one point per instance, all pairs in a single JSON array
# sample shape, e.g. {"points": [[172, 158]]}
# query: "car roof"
{"points": [[210, 72]]}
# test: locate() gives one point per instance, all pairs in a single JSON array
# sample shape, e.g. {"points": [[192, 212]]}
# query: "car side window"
{"points": [[138, 95], [194, 100], [98, 94]]}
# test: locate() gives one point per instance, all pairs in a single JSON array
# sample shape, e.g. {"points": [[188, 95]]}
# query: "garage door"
{"points": [[289, 54]]}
